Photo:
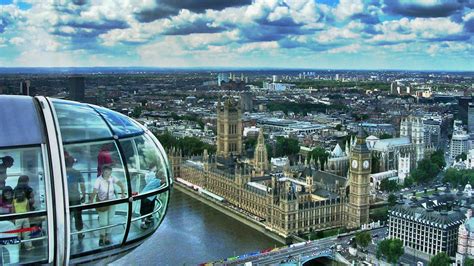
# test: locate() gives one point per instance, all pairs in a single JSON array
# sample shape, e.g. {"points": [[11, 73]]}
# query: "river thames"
{"points": [[193, 233]]}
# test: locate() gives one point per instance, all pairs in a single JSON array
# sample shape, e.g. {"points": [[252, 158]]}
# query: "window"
{"points": [[74, 118], [120, 124], [93, 227], [23, 223], [26, 129], [146, 165], [147, 213]]}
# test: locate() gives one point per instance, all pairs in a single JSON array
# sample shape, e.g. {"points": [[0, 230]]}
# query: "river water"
{"points": [[193, 233]]}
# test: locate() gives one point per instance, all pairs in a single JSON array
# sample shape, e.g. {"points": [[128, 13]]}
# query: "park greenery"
{"points": [[303, 108], [286, 147], [469, 262], [427, 169], [378, 214], [388, 185], [392, 200], [322, 84], [192, 118], [363, 239], [188, 145], [457, 177], [313, 235], [390, 249], [440, 259]]}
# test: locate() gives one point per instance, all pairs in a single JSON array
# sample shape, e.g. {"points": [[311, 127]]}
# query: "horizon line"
{"points": [[229, 68]]}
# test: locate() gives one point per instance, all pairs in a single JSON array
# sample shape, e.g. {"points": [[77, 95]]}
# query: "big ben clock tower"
{"points": [[359, 183]]}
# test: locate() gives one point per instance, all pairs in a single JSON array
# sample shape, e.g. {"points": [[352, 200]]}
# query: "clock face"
{"points": [[354, 163], [366, 164]]}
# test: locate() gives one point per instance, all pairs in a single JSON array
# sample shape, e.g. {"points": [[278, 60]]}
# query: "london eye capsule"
{"points": [[78, 182]]}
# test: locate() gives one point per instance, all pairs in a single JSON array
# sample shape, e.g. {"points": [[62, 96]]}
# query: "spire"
{"points": [[260, 139], [347, 148]]}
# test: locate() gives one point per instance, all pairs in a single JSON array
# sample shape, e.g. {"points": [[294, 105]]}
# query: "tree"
{"points": [[388, 185], [440, 259], [462, 156], [385, 136], [408, 182], [468, 262], [286, 147], [392, 200], [137, 111], [338, 127], [425, 171], [320, 155], [459, 177], [363, 239], [188, 145], [438, 159], [391, 249]]}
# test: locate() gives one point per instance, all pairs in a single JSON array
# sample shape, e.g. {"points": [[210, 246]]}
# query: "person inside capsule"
{"points": [[104, 190]]}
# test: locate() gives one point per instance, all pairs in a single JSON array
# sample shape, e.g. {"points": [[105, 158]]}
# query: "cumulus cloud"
{"points": [[192, 31], [166, 8], [425, 8]]}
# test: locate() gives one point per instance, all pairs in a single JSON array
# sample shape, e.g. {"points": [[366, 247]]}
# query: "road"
{"points": [[310, 248]]}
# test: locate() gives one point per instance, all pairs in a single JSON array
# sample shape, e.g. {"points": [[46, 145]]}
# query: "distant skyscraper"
{"points": [[393, 88], [246, 101], [25, 88], [463, 105], [274, 78], [76, 88], [470, 117], [221, 77]]}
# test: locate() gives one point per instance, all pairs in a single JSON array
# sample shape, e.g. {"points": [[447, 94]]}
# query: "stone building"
{"points": [[298, 199]]}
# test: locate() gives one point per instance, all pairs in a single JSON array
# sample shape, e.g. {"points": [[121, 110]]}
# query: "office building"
{"points": [[76, 86], [470, 118], [429, 225]]}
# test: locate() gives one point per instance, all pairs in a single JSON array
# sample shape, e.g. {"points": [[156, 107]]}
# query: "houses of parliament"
{"points": [[292, 200]]}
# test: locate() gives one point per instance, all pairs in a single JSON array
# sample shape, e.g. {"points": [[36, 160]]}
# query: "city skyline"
{"points": [[398, 35]]}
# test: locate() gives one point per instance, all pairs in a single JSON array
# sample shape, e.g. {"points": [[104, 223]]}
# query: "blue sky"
{"points": [[344, 34]]}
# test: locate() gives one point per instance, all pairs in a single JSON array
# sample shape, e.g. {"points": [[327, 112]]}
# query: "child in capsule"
{"points": [[23, 200]]}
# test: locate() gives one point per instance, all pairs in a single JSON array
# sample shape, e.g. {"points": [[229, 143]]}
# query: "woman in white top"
{"points": [[104, 189]]}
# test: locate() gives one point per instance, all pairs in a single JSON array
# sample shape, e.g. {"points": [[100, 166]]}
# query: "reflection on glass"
{"points": [[145, 164], [94, 228], [74, 118], [21, 180], [90, 158], [147, 215], [26, 129], [95, 173], [22, 240], [121, 125], [23, 246]]}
